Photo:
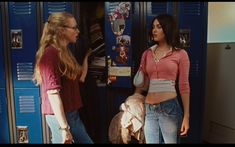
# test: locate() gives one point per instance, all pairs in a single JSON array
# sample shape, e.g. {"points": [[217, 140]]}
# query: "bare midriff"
{"points": [[157, 97]]}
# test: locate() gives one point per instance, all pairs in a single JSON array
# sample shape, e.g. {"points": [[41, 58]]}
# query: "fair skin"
{"points": [[85, 66], [58, 110], [163, 47], [71, 37], [69, 34]]}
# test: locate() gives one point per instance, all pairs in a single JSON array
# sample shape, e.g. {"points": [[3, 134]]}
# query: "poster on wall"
{"points": [[16, 39]]}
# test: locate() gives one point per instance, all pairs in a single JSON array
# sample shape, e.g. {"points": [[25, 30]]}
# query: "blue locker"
{"points": [[2, 71], [23, 27], [4, 126], [52, 7], [118, 32], [193, 21], [24, 44], [154, 9], [28, 115]]}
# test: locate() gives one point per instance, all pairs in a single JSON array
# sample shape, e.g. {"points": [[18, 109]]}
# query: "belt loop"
{"points": [[160, 106], [147, 107]]}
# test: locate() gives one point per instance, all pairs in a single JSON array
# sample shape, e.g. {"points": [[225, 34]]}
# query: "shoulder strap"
{"points": [[143, 60], [145, 56]]}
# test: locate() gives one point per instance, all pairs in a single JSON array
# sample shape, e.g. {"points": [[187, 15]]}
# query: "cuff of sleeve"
{"points": [[67, 128]]}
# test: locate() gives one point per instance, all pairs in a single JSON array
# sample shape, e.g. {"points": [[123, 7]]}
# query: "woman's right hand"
{"points": [[89, 52], [67, 136], [85, 66]]}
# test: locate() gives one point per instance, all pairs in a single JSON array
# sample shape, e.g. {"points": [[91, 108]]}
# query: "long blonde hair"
{"points": [[51, 36]]}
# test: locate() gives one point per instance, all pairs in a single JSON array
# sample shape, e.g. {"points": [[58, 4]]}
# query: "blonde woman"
{"points": [[58, 74]]}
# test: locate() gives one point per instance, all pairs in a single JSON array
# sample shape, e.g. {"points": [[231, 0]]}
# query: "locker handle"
{"points": [[228, 47]]}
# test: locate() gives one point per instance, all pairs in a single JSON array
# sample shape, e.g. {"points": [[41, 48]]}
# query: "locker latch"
{"points": [[22, 134]]}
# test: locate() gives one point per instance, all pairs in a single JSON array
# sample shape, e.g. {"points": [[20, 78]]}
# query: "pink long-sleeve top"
{"points": [[175, 63]]}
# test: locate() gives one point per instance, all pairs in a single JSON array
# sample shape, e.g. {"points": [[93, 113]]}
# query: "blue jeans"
{"points": [[163, 122], [76, 127]]}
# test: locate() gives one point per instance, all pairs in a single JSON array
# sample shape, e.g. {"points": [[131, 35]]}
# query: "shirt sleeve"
{"points": [[49, 68], [184, 65], [143, 62]]}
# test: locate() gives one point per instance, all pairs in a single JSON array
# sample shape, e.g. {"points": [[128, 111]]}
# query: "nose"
{"points": [[154, 31], [78, 31]]}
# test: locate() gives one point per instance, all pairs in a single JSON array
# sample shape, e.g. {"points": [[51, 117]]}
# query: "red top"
{"points": [[52, 79], [174, 64]]}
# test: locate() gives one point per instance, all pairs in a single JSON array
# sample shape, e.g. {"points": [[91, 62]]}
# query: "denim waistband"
{"points": [[167, 101]]}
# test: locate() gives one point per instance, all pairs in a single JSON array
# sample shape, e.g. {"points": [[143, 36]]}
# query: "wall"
{"points": [[219, 120], [221, 22]]}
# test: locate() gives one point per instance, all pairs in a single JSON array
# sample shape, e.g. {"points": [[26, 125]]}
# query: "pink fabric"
{"points": [[52, 79], [173, 64]]}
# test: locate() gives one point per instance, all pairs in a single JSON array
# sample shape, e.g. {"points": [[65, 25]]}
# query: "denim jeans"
{"points": [[163, 122], [76, 127]]}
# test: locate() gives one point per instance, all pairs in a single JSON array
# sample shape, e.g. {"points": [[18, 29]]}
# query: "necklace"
{"points": [[158, 55]]}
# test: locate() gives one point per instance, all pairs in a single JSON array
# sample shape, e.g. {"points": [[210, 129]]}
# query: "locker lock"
{"points": [[22, 134]]}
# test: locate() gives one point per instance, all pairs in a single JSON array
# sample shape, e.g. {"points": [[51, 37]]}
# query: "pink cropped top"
{"points": [[175, 63]]}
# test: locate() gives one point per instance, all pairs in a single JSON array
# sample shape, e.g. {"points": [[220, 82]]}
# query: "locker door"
{"points": [[154, 9], [193, 26], [4, 133], [4, 127], [2, 73], [118, 32], [144, 12], [118, 46], [192, 18], [24, 43], [219, 122], [28, 115], [52, 7]]}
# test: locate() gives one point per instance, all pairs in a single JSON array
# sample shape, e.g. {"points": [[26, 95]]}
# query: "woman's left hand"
{"points": [[184, 127]]}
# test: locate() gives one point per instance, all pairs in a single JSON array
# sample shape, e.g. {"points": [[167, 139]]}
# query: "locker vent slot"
{"points": [[194, 68], [27, 104], [112, 6], [22, 8], [24, 71], [191, 8], [1, 105], [158, 7], [56, 7]]}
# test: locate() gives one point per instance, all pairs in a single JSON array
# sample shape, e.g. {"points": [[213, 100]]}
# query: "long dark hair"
{"points": [[170, 29]]}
